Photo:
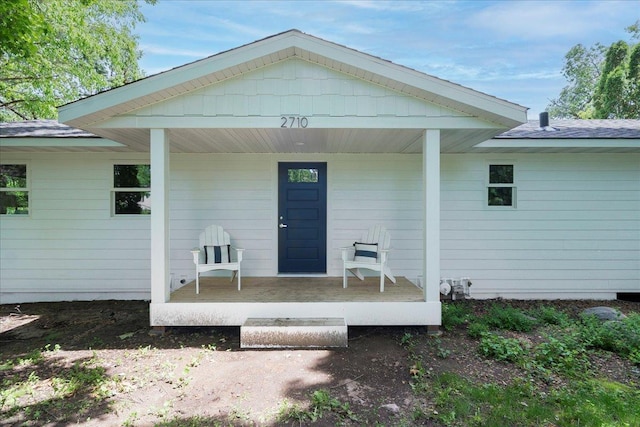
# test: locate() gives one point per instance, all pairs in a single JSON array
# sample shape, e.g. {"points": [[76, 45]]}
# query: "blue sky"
{"points": [[510, 49]]}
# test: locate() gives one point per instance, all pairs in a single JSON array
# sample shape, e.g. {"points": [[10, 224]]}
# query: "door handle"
{"points": [[282, 225]]}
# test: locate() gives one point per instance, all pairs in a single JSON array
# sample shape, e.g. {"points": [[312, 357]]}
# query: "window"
{"points": [[303, 175], [14, 189], [501, 189], [131, 189]]}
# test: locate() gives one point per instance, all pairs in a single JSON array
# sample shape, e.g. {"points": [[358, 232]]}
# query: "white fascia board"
{"points": [[559, 143], [315, 122], [58, 142]]}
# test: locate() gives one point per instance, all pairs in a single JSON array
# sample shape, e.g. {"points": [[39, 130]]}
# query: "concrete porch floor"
{"points": [[297, 289]]}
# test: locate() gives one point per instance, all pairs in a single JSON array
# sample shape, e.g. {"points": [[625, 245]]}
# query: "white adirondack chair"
{"points": [[216, 253], [370, 252]]}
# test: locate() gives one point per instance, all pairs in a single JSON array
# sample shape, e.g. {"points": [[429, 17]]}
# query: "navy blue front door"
{"points": [[302, 225]]}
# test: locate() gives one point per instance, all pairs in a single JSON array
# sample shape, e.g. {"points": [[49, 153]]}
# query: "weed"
{"points": [[441, 352], [550, 316], [454, 314], [197, 421], [12, 391], [289, 412], [80, 377], [621, 337], [131, 420], [566, 355], [477, 329], [321, 403], [33, 358], [408, 341], [419, 376], [241, 415], [509, 318], [55, 348], [501, 348], [162, 412]]}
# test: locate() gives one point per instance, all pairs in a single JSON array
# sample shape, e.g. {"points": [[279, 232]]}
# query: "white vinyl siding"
{"points": [[295, 86], [367, 190], [575, 233], [70, 248]]}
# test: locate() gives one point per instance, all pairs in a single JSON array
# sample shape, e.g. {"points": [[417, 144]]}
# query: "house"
{"points": [[465, 185]]}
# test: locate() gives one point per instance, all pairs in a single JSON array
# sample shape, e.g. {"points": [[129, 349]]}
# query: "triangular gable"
{"points": [[90, 112], [289, 86]]}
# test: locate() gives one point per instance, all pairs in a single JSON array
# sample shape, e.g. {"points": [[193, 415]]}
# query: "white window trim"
{"points": [[27, 188]]}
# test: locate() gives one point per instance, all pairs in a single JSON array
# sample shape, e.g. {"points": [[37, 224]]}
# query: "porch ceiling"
{"points": [[251, 140]]}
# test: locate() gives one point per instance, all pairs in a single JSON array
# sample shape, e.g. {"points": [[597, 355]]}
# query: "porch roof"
{"points": [[465, 116], [568, 135]]}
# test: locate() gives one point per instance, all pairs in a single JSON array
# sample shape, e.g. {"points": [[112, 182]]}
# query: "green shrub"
{"points": [[454, 314], [476, 329], [501, 348], [509, 318], [550, 316], [566, 355], [620, 337]]}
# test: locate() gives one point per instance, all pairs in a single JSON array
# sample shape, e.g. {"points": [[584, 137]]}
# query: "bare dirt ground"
{"points": [[200, 376]]}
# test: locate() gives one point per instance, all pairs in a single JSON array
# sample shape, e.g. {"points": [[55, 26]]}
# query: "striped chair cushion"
{"points": [[366, 252], [217, 254]]}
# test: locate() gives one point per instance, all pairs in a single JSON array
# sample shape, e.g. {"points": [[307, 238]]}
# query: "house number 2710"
{"points": [[293, 122]]}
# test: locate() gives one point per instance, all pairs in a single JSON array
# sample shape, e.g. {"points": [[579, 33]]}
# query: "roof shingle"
{"points": [[41, 129], [576, 129]]}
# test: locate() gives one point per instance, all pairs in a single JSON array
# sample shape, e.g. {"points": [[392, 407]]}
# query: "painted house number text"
{"points": [[293, 122]]}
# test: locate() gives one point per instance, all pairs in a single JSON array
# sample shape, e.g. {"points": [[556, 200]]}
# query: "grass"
{"points": [[593, 402], [65, 394], [562, 352], [322, 403]]}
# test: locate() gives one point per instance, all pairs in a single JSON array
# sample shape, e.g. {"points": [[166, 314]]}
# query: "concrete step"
{"points": [[293, 333]]}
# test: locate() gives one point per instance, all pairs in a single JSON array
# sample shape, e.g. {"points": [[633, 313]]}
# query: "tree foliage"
{"points": [[582, 71], [56, 51], [604, 83]]}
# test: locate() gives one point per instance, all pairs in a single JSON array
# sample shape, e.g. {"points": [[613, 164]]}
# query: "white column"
{"points": [[160, 268], [431, 186]]}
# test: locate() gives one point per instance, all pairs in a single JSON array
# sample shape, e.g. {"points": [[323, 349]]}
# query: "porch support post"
{"points": [[431, 229], [160, 268]]}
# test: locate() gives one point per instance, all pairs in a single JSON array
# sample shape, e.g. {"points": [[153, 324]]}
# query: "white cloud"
{"points": [[550, 19]]}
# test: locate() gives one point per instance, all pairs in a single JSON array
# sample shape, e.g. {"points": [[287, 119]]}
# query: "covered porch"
{"points": [[216, 132], [220, 303]]}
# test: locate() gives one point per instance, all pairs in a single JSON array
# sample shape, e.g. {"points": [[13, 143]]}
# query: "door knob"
{"points": [[282, 225]]}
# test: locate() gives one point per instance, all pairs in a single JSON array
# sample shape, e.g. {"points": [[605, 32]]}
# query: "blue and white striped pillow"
{"points": [[217, 254], [366, 252]]}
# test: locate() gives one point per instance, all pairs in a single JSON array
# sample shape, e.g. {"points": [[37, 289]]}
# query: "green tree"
{"points": [[56, 51], [603, 82], [614, 95], [582, 71]]}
